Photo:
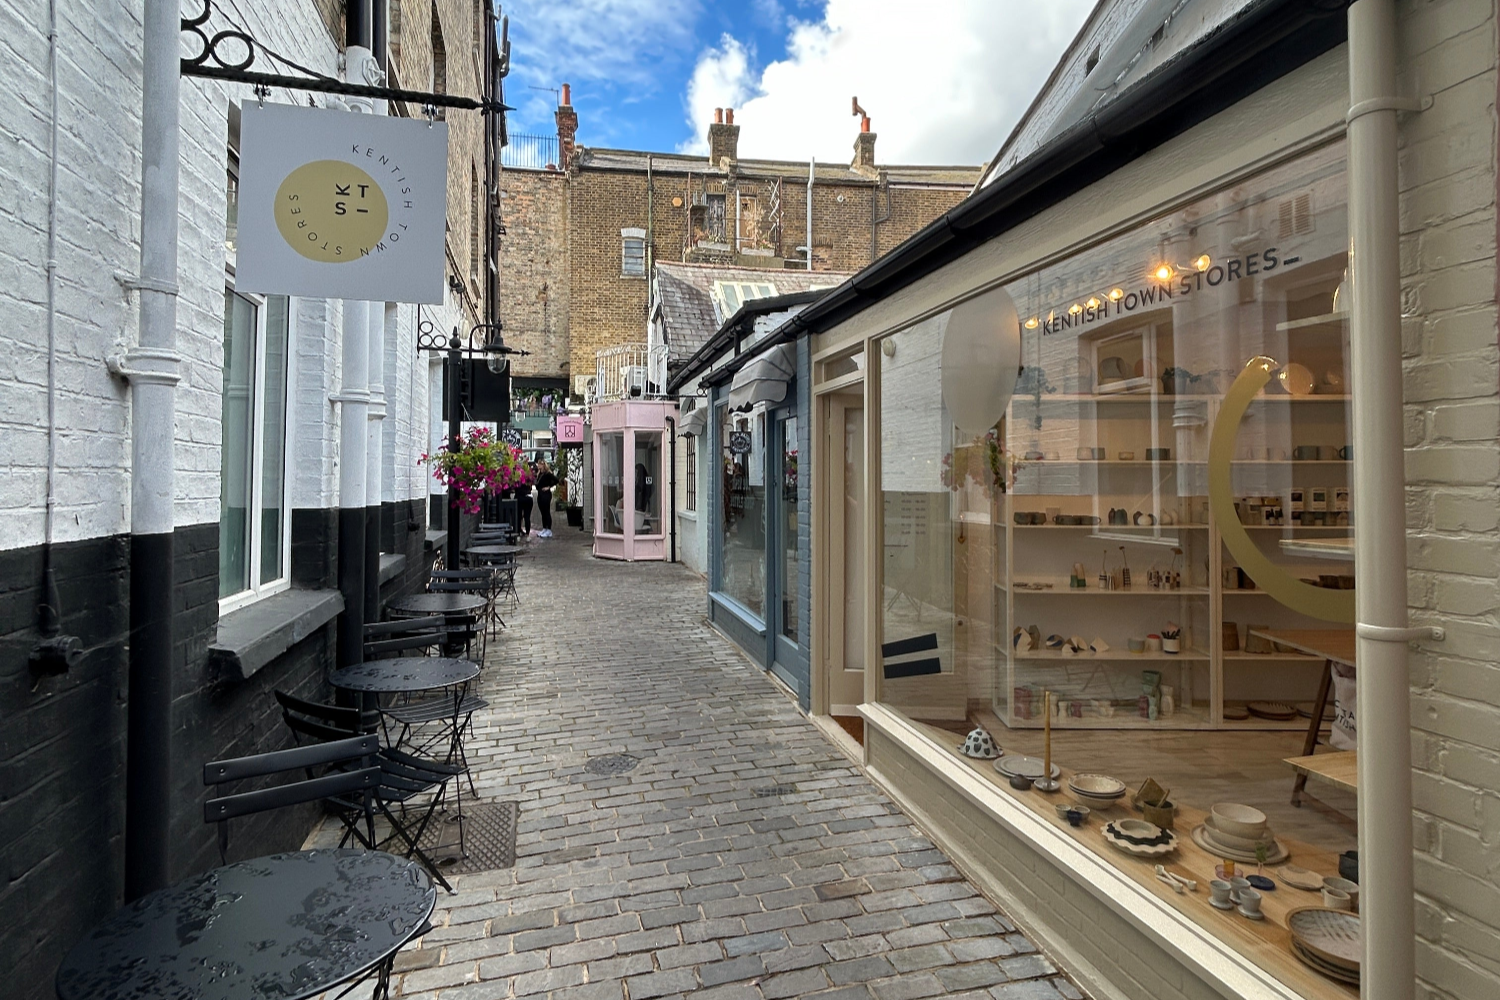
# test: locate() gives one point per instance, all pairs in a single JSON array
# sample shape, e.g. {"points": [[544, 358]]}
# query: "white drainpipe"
{"points": [[354, 400], [375, 437], [1388, 971], [812, 169]]}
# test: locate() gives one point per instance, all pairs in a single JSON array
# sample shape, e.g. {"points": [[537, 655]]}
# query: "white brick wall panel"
{"points": [[1460, 332], [1471, 377], [1467, 422], [1459, 242], [1434, 203], [1452, 465]]}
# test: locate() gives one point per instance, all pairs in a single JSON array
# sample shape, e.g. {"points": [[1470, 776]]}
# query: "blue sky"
{"points": [[646, 74]]}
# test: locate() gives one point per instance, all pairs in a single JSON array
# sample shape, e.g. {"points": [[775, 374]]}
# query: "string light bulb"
{"points": [[1031, 324], [1164, 272], [1074, 309], [1093, 302], [1202, 263], [1116, 294]]}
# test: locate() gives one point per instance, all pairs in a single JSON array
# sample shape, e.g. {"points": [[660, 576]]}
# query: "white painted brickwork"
{"points": [[1448, 185], [98, 238]]}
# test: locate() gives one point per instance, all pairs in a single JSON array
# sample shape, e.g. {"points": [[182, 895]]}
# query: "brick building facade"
{"points": [[581, 236]]}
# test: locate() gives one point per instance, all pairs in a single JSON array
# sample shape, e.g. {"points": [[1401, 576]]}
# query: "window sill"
{"points": [[253, 636], [391, 565], [435, 541], [689, 515], [747, 617]]}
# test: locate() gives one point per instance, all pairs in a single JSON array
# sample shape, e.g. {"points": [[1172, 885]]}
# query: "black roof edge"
{"points": [[1257, 46], [722, 337]]}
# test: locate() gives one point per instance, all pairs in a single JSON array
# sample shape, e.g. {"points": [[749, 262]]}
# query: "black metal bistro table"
{"points": [[492, 553], [288, 926], [418, 605], [406, 674]]}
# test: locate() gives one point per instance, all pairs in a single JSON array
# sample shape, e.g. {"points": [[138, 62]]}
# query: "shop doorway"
{"points": [[844, 486]]}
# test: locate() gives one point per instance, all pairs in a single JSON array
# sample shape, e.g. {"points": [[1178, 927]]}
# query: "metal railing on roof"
{"points": [[529, 152], [629, 371]]}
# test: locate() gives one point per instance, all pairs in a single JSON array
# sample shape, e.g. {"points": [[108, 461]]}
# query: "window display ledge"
{"points": [[1106, 929], [737, 610]]}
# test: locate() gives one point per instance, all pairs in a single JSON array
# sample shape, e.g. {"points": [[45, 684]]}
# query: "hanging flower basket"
{"points": [[482, 465]]}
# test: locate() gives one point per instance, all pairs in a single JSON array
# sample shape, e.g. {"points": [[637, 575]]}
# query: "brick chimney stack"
{"points": [[864, 144], [567, 127], [723, 139]]}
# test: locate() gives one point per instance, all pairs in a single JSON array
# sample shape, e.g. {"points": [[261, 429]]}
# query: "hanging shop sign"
{"points": [[739, 442], [337, 204], [570, 430]]}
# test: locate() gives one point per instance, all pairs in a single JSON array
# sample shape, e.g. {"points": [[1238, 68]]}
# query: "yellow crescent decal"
{"points": [[1317, 602]]}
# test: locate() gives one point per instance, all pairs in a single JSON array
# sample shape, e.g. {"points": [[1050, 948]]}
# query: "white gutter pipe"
{"points": [[812, 168], [151, 366], [1388, 971], [375, 472], [354, 420]]}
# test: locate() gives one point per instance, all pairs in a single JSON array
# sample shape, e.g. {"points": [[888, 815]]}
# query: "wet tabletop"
{"points": [[287, 927], [438, 603], [405, 673], [493, 550]]}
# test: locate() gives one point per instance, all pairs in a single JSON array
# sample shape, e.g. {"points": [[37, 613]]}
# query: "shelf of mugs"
{"points": [[1110, 655], [1020, 589]]}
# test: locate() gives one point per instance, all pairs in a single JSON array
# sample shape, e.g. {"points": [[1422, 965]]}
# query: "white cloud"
{"points": [[942, 81], [586, 42]]}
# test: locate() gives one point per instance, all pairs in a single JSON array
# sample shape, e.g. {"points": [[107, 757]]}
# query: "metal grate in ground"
{"points": [[614, 763], [489, 838]]}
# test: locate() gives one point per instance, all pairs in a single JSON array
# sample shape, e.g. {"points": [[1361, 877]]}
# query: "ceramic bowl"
{"points": [[1245, 844], [980, 745], [1239, 820], [1063, 808], [1099, 786], [1138, 828]]}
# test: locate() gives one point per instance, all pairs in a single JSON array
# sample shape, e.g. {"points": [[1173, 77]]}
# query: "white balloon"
{"points": [[981, 359]]}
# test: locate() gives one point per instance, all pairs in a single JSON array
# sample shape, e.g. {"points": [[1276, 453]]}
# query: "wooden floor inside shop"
{"points": [[1200, 768]]}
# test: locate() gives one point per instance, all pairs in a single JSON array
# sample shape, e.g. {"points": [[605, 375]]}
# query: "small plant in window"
{"points": [[983, 462], [482, 465]]}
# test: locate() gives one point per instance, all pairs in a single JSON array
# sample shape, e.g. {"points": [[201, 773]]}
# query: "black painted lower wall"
{"points": [[62, 738]]}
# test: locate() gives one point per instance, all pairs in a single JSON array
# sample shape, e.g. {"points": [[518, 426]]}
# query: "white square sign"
{"points": [[341, 205]]}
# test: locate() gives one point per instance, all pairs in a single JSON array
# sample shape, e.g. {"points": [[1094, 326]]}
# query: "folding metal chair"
{"points": [[403, 777]]}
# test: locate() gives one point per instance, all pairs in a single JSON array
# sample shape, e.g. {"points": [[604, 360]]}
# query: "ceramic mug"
{"points": [[1305, 453], [1219, 891], [1153, 643], [1136, 645], [1346, 452], [1250, 901], [1158, 454], [1336, 899], [1238, 887], [1348, 888], [1127, 456]]}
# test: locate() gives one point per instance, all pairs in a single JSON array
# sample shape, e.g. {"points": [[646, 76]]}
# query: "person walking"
{"points": [[523, 505], [545, 481]]}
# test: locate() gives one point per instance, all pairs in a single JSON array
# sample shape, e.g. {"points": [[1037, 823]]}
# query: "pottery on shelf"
{"points": [[1239, 820], [1012, 765], [1163, 842]]}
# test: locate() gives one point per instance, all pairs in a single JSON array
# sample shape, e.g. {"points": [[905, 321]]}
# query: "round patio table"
{"points": [[405, 674], [437, 604], [288, 926], [493, 551]]}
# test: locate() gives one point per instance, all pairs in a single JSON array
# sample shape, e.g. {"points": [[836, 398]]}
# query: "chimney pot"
{"points": [[718, 116], [567, 95], [728, 116]]}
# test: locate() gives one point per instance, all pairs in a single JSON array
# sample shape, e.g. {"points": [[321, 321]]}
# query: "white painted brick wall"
{"points": [[1448, 184], [98, 237]]}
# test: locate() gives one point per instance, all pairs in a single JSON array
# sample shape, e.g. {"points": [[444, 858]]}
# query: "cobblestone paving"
{"points": [[741, 858]]}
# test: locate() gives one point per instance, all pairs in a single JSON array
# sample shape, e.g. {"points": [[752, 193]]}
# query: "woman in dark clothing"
{"points": [[545, 480]]}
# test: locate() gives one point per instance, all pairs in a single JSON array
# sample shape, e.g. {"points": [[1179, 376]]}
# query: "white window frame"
{"points": [[627, 237], [259, 591], [739, 292]]}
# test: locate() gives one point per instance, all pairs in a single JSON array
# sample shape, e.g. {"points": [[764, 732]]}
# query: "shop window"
{"points": [[612, 481], [742, 570], [791, 555], [647, 483], [1065, 560], [253, 537], [633, 253], [690, 473]]}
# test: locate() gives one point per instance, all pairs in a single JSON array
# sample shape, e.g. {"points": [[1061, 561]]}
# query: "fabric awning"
{"points": [[764, 379], [694, 422]]}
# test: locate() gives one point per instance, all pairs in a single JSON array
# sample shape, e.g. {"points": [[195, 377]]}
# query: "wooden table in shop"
{"points": [[1331, 645], [1266, 942], [1339, 769]]}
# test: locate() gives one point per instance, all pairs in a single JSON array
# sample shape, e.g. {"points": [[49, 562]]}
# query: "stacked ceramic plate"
{"points": [[1277, 710], [1239, 833], [1327, 940], [1016, 766], [1097, 789], [1136, 836]]}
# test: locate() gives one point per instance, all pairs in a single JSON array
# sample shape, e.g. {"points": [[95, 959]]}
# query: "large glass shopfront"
{"points": [[1125, 570]]}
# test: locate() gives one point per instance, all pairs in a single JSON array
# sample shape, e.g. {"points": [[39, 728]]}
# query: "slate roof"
{"points": [[687, 306], [961, 176]]}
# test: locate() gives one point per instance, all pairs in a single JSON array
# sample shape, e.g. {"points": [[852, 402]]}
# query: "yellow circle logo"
{"points": [[331, 211]]}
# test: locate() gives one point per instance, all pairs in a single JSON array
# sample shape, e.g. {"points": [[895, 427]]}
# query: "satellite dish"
{"points": [[981, 357]]}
